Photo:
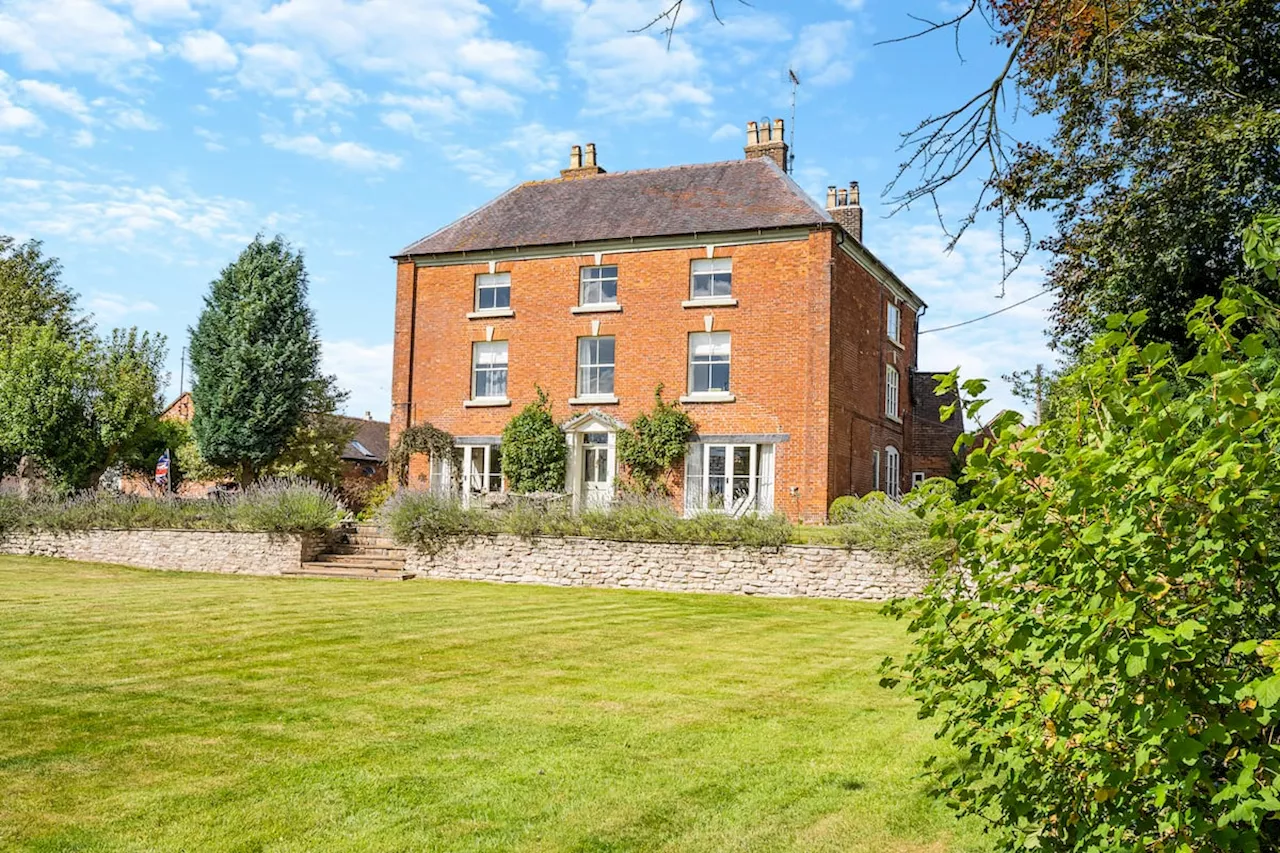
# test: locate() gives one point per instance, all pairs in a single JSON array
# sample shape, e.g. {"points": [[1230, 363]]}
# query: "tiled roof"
{"points": [[927, 403], [738, 195], [373, 436]]}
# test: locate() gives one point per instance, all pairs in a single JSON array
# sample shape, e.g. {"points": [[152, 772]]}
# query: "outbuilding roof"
{"points": [[736, 195]]}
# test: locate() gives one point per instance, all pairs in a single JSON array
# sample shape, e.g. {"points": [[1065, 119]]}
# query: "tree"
{"points": [[1166, 144], [46, 391], [126, 405], [1106, 658], [255, 355], [314, 452], [534, 451], [32, 293]]}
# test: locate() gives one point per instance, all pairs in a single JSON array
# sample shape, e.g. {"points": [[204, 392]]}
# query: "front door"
{"points": [[597, 469]]}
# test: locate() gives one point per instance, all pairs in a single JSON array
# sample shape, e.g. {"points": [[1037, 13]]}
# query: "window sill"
{"points": [[490, 312], [597, 308], [711, 302], [486, 402], [594, 400], [709, 397], [894, 418], [899, 344]]}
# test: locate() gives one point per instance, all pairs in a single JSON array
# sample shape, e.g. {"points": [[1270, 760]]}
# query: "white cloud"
{"points": [[480, 166], [162, 11], [277, 69], [965, 284], [364, 370], [634, 75], [727, 131], [132, 118], [533, 151], [822, 55], [113, 307], [16, 118], [154, 218], [55, 97], [212, 141], [353, 155], [83, 138], [207, 51], [72, 35]]}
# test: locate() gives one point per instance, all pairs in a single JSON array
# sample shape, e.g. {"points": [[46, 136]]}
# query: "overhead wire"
{"points": [[987, 316]]}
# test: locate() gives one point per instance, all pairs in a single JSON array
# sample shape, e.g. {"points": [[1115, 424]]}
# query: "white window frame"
{"points": [[482, 482], [875, 470], [493, 281], [917, 477], [892, 472], [894, 322], [760, 478], [892, 381], [586, 369], [713, 340], [712, 270], [476, 349], [440, 475], [586, 281]]}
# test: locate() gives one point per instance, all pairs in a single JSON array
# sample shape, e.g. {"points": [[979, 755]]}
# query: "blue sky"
{"points": [[146, 141]]}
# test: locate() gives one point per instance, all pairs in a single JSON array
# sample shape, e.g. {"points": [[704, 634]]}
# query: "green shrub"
{"points": [[286, 506], [1108, 661], [374, 500], [876, 523], [428, 522], [841, 508], [423, 438], [534, 450]]}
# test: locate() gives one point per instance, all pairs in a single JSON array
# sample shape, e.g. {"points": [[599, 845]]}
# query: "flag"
{"points": [[162, 470]]}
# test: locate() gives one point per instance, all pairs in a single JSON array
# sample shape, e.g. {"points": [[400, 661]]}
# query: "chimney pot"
{"points": [[591, 154], [855, 196], [575, 157], [831, 197], [368, 416], [847, 209], [766, 139], [842, 198]]}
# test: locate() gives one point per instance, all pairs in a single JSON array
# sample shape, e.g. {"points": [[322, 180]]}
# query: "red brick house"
{"points": [[790, 345]]}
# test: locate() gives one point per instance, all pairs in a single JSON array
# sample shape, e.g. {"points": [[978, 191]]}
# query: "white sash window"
{"points": [[736, 479]]}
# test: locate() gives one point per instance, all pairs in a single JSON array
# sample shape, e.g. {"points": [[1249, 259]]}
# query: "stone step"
{"points": [[367, 550], [330, 570], [371, 541], [360, 561]]}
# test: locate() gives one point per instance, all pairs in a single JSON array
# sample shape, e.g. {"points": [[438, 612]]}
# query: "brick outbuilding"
{"points": [[788, 342]]}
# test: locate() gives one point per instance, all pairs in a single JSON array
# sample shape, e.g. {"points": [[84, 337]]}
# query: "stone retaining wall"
{"points": [[184, 550], [795, 570]]}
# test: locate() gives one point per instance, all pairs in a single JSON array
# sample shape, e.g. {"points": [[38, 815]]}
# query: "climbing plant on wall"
{"points": [[419, 439], [654, 444]]}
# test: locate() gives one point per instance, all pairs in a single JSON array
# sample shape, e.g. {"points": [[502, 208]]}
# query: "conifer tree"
{"points": [[255, 355]]}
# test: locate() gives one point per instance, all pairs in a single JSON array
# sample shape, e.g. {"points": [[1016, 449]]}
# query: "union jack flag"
{"points": [[162, 470]]}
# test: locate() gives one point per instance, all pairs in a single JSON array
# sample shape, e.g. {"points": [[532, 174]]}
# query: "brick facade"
{"points": [[808, 330]]}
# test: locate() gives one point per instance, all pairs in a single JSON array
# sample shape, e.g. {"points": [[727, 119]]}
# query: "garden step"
{"points": [[332, 570], [360, 560], [371, 541], [367, 550]]}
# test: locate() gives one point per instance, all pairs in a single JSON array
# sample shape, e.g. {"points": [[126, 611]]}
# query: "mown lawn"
{"points": [[165, 711]]}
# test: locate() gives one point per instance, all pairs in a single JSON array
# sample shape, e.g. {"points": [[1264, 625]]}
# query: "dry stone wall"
{"points": [[795, 570], [184, 550]]}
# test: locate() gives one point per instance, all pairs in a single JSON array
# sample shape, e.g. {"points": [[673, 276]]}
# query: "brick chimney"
{"points": [[767, 140], [845, 207], [580, 166]]}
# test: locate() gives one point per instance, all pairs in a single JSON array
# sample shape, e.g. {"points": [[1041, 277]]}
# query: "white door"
{"points": [[597, 469]]}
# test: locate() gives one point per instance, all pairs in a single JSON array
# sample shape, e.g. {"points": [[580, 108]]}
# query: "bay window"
{"points": [[736, 479]]}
